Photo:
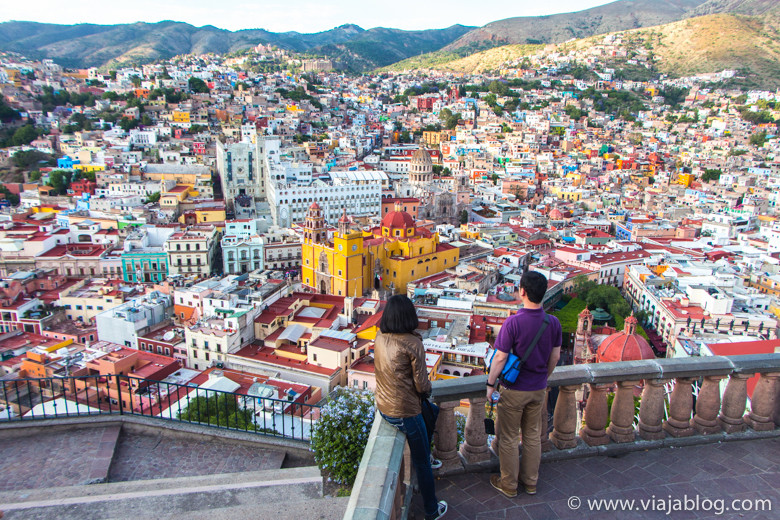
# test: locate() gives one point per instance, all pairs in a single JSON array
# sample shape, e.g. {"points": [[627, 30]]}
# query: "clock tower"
{"points": [[348, 259]]}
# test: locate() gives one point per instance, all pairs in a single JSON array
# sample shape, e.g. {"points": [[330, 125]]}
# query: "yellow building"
{"points": [[387, 257], [685, 179], [180, 116]]}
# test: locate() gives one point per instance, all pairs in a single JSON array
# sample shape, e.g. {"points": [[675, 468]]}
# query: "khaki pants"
{"points": [[519, 411]]}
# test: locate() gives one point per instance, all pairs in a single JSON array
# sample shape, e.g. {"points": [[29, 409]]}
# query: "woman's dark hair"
{"points": [[535, 285], [399, 316]]}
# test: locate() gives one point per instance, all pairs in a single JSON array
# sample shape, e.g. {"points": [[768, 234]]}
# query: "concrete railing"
{"points": [[381, 490]]}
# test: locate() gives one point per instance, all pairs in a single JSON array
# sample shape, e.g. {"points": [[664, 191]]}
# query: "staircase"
{"points": [[294, 494]]}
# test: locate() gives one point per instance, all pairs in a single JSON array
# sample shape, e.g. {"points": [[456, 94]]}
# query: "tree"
{"points": [[32, 159], [582, 285], [494, 178], [34, 175], [464, 217], [711, 174], [7, 113], [60, 180], [13, 198], [758, 139], [24, 135], [153, 198], [220, 410], [198, 86]]}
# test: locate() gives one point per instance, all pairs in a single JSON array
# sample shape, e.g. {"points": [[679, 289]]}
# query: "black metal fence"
{"points": [[56, 397]]}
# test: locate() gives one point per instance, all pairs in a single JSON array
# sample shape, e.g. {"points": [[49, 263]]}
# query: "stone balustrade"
{"points": [[662, 420]]}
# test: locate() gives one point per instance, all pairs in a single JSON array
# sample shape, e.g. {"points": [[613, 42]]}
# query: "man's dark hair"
{"points": [[535, 285], [399, 316]]}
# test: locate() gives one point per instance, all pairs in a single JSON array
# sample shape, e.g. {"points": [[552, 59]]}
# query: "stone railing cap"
{"points": [[625, 371], [570, 375], [456, 389], [695, 367], [753, 363]]}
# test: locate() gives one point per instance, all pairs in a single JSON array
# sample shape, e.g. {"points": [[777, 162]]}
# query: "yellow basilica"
{"points": [[355, 262]]}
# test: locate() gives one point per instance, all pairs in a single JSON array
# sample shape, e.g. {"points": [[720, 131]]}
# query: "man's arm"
{"points": [[499, 360], [555, 355]]}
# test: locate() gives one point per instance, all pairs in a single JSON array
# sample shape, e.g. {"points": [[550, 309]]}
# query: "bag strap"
{"points": [[538, 336]]}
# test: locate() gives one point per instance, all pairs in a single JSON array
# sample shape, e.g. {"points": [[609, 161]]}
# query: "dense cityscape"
{"points": [[236, 223]]}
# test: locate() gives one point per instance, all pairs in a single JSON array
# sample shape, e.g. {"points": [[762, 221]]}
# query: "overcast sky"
{"points": [[287, 15]]}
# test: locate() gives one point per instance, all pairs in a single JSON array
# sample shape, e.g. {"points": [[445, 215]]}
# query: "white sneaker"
{"points": [[435, 463], [440, 512]]}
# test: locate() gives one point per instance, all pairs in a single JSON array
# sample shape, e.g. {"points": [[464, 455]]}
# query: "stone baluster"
{"points": [[777, 408], [594, 432], [707, 406], [544, 423], [763, 404], [564, 434], [680, 407], [621, 426], [445, 437], [734, 401], [474, 448], [651, 410]]}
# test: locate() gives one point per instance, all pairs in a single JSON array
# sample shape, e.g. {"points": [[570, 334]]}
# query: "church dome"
{"points": [[398, 219], [556, 214], [422, 157], [625, 345]]}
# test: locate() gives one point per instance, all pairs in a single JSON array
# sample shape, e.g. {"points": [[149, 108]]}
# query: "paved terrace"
{"points": [[740, 470], [708, 443]]}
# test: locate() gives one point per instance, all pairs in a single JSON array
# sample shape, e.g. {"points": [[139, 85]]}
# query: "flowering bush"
{"points": [[460, 426], [339, 437]]}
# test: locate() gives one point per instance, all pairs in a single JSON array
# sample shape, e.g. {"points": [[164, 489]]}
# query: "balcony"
{"points": [[600, 451]]}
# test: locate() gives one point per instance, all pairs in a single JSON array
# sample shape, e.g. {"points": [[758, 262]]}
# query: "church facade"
{"points": [[354, 262]]}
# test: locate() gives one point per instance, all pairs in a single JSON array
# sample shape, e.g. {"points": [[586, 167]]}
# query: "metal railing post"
{"points": [[119, 395]]}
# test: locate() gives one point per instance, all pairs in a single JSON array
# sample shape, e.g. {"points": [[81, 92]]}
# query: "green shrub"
{"points": [[339, 438]]}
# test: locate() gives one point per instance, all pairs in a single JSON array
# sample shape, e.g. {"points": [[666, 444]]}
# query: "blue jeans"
{"points": [[419, 440]]}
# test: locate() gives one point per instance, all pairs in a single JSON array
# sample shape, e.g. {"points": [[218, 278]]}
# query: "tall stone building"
{"points": [[241, 173]]}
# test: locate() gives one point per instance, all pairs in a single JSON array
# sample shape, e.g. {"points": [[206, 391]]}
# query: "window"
{"points": [[89, 307], [206, 344], [314, 357], [207, 356], [100, 307], [78, 307]]}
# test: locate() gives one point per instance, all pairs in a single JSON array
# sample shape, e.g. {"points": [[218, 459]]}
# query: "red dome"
{"points": [[556, 214], [314, 205], [398, 219], [621, 346]]}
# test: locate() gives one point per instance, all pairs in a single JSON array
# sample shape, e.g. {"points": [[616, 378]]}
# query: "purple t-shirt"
{"points": [[517, 333]]}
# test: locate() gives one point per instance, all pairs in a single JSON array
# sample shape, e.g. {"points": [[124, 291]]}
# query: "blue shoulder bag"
{"points": [[514, 364]]}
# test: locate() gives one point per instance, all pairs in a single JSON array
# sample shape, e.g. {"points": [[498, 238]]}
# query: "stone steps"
{"points": [[257, 494]]}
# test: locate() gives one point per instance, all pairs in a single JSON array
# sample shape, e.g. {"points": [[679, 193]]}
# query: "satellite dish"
{"points": [[168, 336]]}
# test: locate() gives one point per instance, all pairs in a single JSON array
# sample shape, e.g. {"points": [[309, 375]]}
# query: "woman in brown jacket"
{"points": [[401, 381]]}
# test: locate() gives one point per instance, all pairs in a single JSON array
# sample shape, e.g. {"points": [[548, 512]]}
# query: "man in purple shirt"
{"points": [[520, 406]]}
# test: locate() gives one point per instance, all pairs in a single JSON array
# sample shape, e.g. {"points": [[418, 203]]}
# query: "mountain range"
{"points": [[351, 47]]}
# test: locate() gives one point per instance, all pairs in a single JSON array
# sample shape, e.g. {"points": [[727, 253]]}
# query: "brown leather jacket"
{"points": [[401, 374]]}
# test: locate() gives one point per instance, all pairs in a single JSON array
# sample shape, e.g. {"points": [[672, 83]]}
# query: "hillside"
{"points": [[749, 7], [749, 44], [487, 60], [88, 45], [615, 16]]}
